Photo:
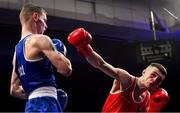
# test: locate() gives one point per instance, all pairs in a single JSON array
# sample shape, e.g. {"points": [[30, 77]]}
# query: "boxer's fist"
{"points": [[62, 98], [158, 100], [60, 47], [81, 39]]}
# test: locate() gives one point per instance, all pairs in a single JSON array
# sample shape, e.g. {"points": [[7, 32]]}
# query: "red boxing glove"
{"points": [[81, 39], [158, 100]]}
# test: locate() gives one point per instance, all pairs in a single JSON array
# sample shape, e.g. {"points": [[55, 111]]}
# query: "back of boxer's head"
{"points": [[27, 11], [161, 68]]}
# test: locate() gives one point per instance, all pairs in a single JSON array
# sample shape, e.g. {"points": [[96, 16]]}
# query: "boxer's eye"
{"points": [[159, 79]]}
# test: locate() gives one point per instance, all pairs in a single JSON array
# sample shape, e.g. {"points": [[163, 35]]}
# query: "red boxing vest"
{"points": [[124, 101]]}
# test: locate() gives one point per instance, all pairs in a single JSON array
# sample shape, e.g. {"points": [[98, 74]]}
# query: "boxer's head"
{"points": [[154, 75], [35, 16]]}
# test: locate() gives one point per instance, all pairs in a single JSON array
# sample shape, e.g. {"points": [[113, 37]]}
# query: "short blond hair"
{"points": [[27, 10]]}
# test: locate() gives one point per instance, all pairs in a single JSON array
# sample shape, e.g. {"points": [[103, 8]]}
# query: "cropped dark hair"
{"points": [[161, 68]]}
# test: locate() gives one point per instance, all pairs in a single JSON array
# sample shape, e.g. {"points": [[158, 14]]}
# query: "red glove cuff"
{"points": [[85, 50]]}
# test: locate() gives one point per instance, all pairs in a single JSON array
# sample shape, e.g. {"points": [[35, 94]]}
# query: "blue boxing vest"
{"points": [[33, 73]]}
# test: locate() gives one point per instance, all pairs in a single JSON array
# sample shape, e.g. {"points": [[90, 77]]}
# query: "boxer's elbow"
{"points": [[14, 90], [64, 68], [66, 71], [17, 92]]}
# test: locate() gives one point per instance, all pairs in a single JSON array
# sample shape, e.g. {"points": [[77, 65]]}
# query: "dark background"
{"points": [[88, 87]]}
